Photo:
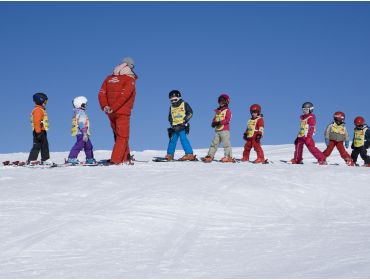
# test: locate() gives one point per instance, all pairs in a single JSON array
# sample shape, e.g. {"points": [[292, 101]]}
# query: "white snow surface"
{"points": [[186, 219]]}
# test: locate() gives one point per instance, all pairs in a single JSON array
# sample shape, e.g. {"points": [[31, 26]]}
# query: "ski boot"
{"points": [[188, 157], [91, 161], [207, 159], [350, 162], [47, 162], [227, 160], [293, 161], [73, 161], [259, 160], [169, 157]]}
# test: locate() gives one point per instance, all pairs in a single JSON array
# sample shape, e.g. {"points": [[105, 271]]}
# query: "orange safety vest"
{"points": [[44, 122]]}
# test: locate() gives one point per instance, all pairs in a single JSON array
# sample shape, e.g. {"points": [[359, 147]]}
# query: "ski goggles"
{"points": [[306, 110], [174, 99]]}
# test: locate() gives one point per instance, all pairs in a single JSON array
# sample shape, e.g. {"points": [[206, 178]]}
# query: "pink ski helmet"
{"points": [[225, 97]]}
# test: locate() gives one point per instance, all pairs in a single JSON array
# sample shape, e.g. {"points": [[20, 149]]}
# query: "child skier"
{"points": [[305, 136], [361, 141], [253, 135], [179, 117], [81, 129], [40, 126], [221, 124], [335, 134]]}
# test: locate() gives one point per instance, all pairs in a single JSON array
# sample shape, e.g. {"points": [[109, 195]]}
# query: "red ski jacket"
{"points": [[118, 92]]}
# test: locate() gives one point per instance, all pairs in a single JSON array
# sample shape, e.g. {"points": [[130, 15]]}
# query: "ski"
{"points": [[289, 162], [163, 159], [219, 161]]}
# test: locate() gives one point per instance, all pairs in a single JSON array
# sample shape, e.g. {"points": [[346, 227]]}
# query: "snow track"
{"points": [[185, 220]]}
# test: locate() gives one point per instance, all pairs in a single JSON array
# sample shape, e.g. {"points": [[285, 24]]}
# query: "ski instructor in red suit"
{"points": [[116, 98]]}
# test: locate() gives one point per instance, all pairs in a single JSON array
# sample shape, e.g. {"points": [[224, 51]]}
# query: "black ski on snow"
{"points": [[163, 159]]}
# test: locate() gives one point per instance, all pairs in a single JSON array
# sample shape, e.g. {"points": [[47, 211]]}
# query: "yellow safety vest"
{"points": [[178, 114], [304, 127], [340, 129], [251, 128], [220, 116], [359, 139], [75, 122], [44, 123]]}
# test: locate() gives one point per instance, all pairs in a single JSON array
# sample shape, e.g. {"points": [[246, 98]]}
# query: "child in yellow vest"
{"points": [[361, 141], [221, 124], [81, 129], [253, 135], [335, 135], [40, 126], [179, 117]]}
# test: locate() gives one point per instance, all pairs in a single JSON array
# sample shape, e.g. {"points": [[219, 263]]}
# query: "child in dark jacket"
{"points": [[254, 134], [361, 141], [179, 116], [335, 135], [40, 126]]}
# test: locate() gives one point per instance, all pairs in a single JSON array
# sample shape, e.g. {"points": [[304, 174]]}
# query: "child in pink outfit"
{"points": [[305, 136]]}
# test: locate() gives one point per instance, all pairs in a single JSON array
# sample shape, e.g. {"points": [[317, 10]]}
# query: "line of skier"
{"points": [[116, 99]]}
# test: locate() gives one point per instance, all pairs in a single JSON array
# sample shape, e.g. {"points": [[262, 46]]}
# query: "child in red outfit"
{"points": [[335, 135], [305, 136], [253, 135]]}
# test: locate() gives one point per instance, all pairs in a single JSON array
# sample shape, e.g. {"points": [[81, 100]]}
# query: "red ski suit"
{"points": [[307, 130], [118, 92], [255, 128]]}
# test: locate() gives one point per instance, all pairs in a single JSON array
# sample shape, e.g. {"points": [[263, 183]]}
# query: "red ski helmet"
{"points": [[339, 116], [225, 97], [255, 107], [359, 121]]}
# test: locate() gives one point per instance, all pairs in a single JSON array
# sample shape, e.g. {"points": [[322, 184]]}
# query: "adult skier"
{"points": [[116, 98]]}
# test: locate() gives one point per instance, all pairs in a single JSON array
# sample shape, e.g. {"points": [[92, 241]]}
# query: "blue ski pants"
{"points": [[184, 142]]}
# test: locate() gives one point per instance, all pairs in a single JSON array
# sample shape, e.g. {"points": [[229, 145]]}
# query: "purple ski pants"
{"points": [[79, 145]]}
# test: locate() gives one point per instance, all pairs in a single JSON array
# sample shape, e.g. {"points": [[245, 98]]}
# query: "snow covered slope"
{"points": [[186, 220]]}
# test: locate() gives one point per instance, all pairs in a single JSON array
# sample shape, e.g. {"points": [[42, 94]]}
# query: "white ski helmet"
{"points": [[80, 102]]}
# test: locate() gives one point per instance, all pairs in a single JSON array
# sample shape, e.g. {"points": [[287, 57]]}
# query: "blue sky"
{"points": [[276, 54]]}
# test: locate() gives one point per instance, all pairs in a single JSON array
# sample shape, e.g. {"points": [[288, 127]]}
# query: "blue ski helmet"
{"points": [[39, 98]]}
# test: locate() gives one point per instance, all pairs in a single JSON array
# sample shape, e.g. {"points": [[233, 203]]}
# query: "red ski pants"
{"points": [[299, 144], [257, 147], [342, 151], [121, 129]]}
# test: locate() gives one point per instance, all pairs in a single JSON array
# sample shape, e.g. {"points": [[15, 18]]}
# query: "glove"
{"points": [[85, 137], [352, 146], [327, 141], [187, 128], [39, 136], [245, 136], [346, 144], [367, 145], [296, 141], [258, 136], [108, 110], [214, 124], [170, 132]]}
